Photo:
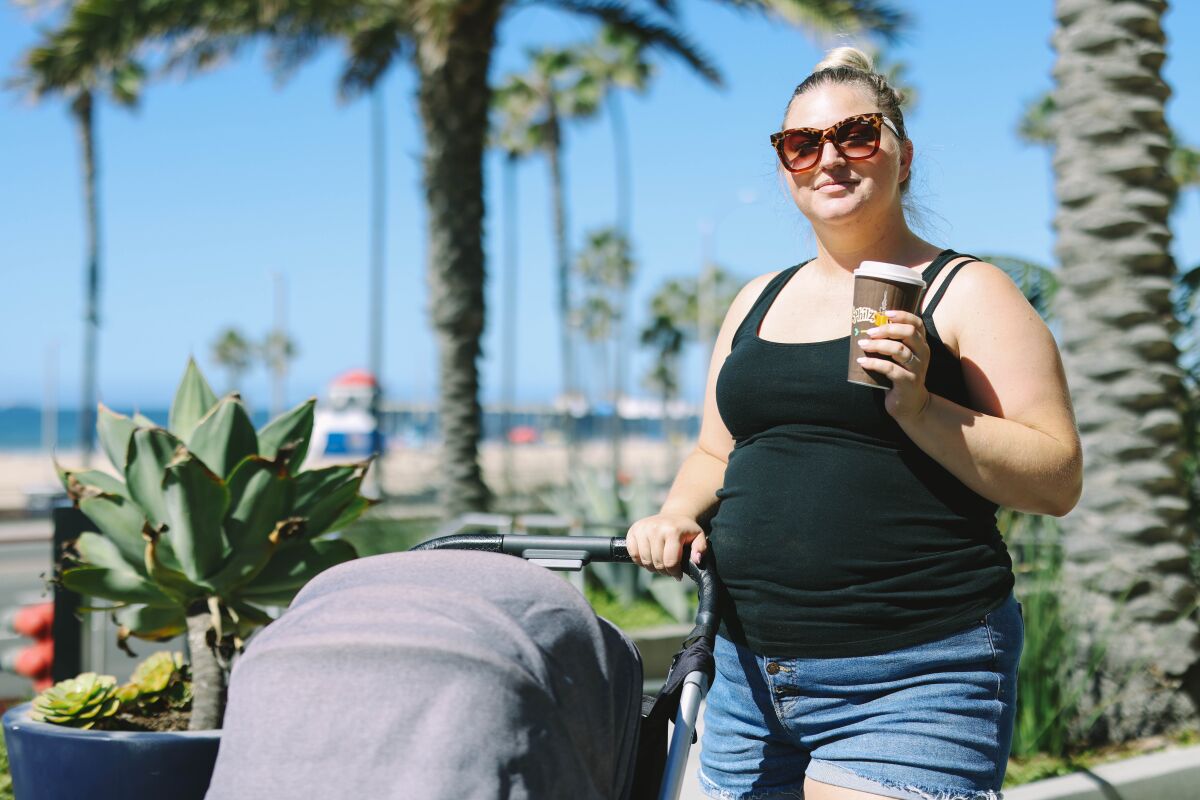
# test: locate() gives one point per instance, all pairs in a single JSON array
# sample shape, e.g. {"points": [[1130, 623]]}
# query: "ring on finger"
{"points": [[912, 356]]}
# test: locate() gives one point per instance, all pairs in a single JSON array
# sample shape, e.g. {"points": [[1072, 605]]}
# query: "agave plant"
{"points": [[603, 509], [214, 525], [78, 702]]}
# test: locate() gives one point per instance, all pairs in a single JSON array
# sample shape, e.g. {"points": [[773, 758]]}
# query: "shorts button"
{"points": [[772, 668]]}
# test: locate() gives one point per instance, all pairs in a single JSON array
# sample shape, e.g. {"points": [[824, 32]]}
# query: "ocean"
{"points": [[21, 426]]}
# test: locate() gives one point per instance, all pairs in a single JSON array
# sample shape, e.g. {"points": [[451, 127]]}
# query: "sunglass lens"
{"points": [[857, 139], [800, 149]]}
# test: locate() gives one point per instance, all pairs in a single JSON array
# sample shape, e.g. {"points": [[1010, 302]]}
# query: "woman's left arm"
{"points": [[1021, 447]]}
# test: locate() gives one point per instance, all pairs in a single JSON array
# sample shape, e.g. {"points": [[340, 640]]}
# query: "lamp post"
{"points": [[708, 316]]}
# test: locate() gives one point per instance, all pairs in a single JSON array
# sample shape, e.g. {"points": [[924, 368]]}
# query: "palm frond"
{"points": [[372, 51], [640, 27], [826, 17]]}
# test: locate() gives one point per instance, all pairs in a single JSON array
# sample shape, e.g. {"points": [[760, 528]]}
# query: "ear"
{"points": [[906, 159]]}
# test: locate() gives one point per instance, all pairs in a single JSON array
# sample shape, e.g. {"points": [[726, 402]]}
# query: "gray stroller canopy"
{"points": [[444, 674]]}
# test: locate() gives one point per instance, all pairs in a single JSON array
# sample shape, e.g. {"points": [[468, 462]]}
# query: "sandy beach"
{"points": [[406, 472]]}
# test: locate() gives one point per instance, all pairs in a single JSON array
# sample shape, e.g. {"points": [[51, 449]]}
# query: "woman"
{"points": [[870, 640]]}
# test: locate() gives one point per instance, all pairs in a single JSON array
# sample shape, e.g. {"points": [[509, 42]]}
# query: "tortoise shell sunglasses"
{"points": [[856, 138]]}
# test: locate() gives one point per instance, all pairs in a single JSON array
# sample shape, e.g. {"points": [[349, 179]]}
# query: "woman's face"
{"points": [[835, 191]]}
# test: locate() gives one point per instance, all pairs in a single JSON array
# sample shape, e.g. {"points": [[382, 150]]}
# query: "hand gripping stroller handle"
{"points": [[572, 552]]}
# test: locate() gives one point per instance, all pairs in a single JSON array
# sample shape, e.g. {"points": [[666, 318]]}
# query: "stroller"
{"points": [[448, 671]]}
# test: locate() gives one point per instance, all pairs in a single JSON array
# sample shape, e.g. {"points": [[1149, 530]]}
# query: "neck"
{"points": [[843, 247]]}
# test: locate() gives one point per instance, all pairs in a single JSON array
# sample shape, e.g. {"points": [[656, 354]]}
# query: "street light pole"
{"points": [[375, 299]]}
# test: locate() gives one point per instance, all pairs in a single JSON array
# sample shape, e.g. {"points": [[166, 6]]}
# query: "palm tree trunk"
{"points": [[84, 112], [1126, 545], [453, 98], [508, 353], [563, 266], [209, 681]]}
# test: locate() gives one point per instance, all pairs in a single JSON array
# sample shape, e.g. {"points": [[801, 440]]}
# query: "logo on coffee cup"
{"points": [[863, 314]]}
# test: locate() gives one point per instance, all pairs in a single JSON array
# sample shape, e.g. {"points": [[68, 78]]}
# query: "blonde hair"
{"points": [[851, 66]]}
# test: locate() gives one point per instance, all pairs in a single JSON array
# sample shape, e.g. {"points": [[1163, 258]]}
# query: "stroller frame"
{"points": [[572, 553]]}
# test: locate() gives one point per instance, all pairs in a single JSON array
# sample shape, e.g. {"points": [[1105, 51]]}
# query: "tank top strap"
{"points": [[762, 303], [935, 268]]}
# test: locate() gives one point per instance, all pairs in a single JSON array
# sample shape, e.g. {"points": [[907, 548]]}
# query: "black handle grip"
{"points": [[483, 542]]}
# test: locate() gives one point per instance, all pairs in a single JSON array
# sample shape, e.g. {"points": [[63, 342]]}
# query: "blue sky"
{"points": [[222, 181]]}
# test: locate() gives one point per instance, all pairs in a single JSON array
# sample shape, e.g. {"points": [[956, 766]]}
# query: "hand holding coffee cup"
{"points": [[888, 349]]}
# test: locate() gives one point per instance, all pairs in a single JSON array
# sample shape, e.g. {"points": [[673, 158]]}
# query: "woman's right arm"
{"points": [[657, 542]]}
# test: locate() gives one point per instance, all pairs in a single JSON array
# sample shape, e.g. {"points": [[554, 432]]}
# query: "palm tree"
{"points": [[57, 67], [617, 60], [673, 315], [450, 43], [606, 268], [532, 109], [1126, 542], [234, 353]]}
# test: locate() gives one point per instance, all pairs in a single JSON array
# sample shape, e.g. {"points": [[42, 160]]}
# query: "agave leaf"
{"points": [[88, 483], [350, 513], [150, 451], [292, 567], [224, 436], [115, 431], [153, 624], [671, 595], [164, 569], [142, 421], [257, 500], [195, 501], [247, 613], [122, 586], [323, 495], [121, 522], [98, 551], [290, 429], [193, 399]]}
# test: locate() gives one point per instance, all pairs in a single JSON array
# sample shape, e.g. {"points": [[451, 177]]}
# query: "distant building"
{"points": [[343, 425]]}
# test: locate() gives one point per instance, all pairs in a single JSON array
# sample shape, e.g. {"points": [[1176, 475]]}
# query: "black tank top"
{"points": [[836, 536]]}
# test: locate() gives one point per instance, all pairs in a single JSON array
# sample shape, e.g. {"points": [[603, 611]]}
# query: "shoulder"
{"points": [[748, 294], [745, 299], [981, 296]]}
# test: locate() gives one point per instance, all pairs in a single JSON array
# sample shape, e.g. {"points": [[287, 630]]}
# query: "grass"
{"points": [[6, 791], [641, 613]]}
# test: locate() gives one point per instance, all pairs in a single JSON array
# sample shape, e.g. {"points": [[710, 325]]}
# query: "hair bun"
{"points": [[850, 57]]}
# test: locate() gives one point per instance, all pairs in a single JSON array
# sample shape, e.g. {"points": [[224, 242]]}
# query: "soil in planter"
{"points": [[162, 721]]}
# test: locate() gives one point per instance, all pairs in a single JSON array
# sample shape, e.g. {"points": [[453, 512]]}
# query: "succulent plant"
{"points": [[214, 525], [160, 680], [79, 702]]}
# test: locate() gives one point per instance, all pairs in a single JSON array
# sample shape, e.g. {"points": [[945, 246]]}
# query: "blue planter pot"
{"points": [[53, 762]]}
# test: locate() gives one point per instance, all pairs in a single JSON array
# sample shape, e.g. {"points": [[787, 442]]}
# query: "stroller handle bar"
{"points": [[573, 552]]}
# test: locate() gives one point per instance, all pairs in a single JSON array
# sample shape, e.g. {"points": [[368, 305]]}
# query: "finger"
{"points": [[672, 549], [656, 553], [887, 347], [907, 317], [893, 330], [631, 544], [699, 546], [884, 367]]}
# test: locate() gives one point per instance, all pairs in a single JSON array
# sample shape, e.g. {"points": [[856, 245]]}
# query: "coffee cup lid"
{"points": [[888, 272]]}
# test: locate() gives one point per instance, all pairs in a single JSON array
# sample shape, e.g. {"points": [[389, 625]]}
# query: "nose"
{"points": [[829, 154]]}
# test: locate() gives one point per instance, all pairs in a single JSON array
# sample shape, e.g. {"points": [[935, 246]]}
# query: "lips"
{"points": [[835, 184]]}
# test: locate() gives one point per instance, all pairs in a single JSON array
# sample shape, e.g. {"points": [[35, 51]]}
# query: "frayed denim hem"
{"points": [[835, 775], [712, 790]]}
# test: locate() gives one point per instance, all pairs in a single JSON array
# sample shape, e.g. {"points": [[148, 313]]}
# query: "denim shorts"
{"points": [[929, 722]]}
